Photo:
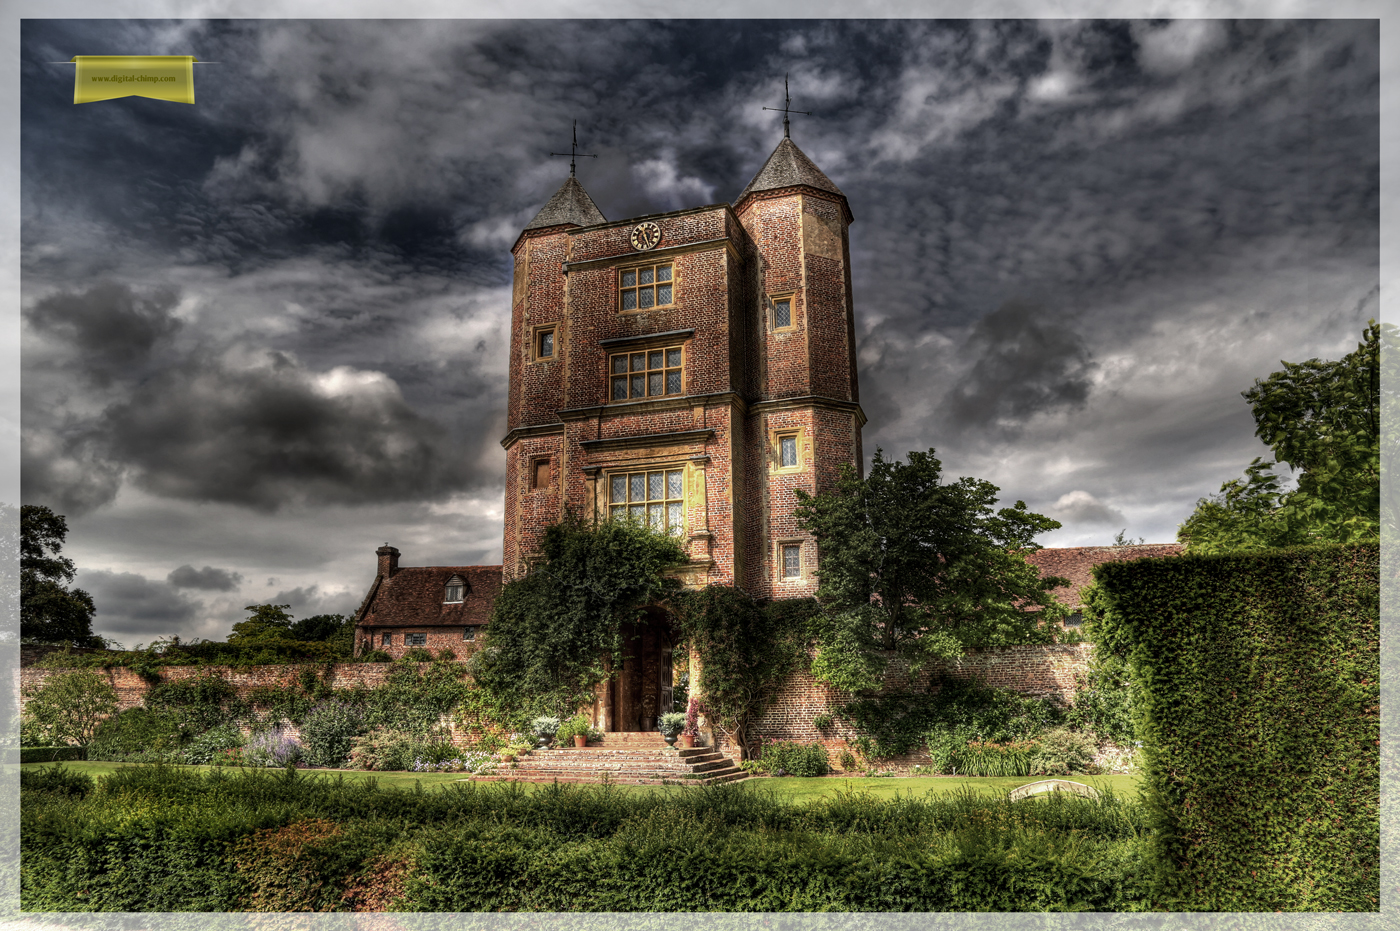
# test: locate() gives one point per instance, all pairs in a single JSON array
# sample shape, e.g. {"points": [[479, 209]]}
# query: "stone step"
{"points": [[735, 776], [697, 755]]}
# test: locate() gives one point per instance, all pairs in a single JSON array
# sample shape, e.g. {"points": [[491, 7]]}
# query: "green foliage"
{"points": [[1322, 419], [745, 650], [418, 655], [1063, 752], [545, 726], [1259, 716], [823, 722], [37, 754], [897, 723], [328, 732], [138, 735], [923, 568], [256, 840], [1105, 695], [213, 746], [383, 749], [577, 726], [375, 656], [55, 780], [793, 758], [555, 634], [263, 622], [197, 703], [988, 758], [415, 698], [50, 612], [671, 723], [67, 708]]}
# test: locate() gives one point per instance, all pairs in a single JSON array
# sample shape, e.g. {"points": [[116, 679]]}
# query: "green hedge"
{"points": [[1260, 723], [51, 754]]}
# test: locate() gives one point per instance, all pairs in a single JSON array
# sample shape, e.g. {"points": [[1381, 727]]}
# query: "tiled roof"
{"points": [[1077, 562], [413, 597], [788, 166], [570, 204]]}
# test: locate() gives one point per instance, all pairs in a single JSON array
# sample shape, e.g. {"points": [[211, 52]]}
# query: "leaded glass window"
{"points": [[656, 498], [792, 560], [646, 287], [787, 451], [782, 313], [651, 374]]}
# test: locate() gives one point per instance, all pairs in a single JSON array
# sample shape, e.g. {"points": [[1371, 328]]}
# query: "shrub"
{"points": [[848, 761], [947, 747], [138, 735], [823, 722], [213, 745], [692, 718], [545, 726], [446, 655], [1063, 752], [271, 749], [382, 749], [198, 704], [984, 758], [55, 780], [791, 758], [328, 733], [375, 656], [577, 726], [671, 723], [68, 707], [418, 655], [51, 754]]}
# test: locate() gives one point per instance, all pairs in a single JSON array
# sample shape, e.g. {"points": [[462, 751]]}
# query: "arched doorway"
{"points": [[643, 688]]}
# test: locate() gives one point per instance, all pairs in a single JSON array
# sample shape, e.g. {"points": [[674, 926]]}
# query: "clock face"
{"points": [[646, 236]]}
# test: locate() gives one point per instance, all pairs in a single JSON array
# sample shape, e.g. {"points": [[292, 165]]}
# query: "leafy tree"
{"points": [[927, 569], [264, 623], [50, 612], [1322, 419], [555, 633], [68, 707]]}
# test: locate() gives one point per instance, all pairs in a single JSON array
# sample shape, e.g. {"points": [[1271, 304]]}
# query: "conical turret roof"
{"points": [[570, 204], [788, 166]]}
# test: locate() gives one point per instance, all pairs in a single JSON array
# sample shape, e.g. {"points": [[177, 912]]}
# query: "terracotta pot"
{"points": [[580, 740], [688, 740]]}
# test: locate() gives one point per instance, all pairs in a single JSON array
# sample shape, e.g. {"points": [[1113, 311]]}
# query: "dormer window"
{"points": [[455, 588]]}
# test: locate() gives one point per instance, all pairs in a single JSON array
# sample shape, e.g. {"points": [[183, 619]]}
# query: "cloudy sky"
{"points": [[265, 334]]}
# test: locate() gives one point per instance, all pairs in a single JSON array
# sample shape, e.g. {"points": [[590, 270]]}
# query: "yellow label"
{"points": [[107, 77]]}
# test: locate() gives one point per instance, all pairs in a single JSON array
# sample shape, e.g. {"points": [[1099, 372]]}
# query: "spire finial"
{"points": [[786, 108], [573, 153]]}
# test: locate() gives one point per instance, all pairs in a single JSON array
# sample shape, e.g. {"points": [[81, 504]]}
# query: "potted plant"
{"points": [[575, 729], [545, 727], [692, 723], [670, 725]]}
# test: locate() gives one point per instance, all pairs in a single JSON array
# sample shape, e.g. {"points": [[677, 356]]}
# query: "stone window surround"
{"points": [[779, 548], [665, 370], [655, 264], [537, 333], [804, 448], [773, 300]]}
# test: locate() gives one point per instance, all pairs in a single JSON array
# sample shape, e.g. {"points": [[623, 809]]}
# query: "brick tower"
{"points": [[689, 368]]}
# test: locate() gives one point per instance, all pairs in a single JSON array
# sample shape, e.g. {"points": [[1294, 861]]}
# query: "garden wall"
{"points": [[1038, 670], [1034, 670]]}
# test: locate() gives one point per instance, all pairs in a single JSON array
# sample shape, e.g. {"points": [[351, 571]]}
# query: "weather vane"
{"points": [[786, 108], [573, 154]]}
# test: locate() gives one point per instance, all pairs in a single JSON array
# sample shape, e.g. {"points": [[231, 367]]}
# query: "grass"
{"points": [[790, 788]]}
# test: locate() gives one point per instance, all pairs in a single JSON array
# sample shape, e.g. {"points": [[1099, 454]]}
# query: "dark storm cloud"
{"points": [[1028, 362], [1080, 507], [270, 432], [207, 579], [311, 600], [129, 603], [109, 324]]}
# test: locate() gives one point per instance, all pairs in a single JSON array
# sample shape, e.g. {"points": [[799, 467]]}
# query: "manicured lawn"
{"points": [[789, 787]]}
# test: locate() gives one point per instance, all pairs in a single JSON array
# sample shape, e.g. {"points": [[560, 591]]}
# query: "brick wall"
{"points": [[1041, 671]]}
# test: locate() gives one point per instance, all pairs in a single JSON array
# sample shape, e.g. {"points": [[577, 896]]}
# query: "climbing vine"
{"points": [[746, 649], [556, 633]]}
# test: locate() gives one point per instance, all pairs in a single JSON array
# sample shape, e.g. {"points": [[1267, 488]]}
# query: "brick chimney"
{"points": [[388, 560]]}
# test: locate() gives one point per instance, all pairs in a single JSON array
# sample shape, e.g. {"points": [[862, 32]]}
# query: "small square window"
{"points": [[415, 640], [792, 560], [782, 314], [386, 640], [648, 286], [469, 633], [651, 374], [787, 451], [544, 344]]}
